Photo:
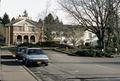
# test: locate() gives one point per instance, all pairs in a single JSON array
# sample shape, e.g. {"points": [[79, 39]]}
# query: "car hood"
{"points": [[37, 56]]}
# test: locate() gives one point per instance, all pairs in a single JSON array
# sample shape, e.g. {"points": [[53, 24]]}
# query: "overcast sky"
{"points": [[35, 8]]}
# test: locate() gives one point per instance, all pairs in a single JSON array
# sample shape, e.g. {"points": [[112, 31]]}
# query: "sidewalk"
{"points": [[10, 71]]}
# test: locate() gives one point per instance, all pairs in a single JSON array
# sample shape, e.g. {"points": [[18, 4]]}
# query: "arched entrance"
{"points": [[32, 39], [26, 38], [19, 39]]}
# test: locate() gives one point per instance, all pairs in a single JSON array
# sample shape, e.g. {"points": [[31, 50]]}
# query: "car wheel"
{"points": [[46, 64], [23, 60], [26, 62], [17, 57]]}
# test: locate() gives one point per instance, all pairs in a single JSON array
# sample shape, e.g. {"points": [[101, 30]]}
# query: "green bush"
{"points": [[47, 44], [92, 53], [26, 44], [40, 44]]}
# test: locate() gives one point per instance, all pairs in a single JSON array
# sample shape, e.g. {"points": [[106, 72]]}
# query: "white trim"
{"points": [[23, 21]]}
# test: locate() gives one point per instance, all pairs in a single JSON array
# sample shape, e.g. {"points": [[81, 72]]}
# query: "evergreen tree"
{"points": [[5, 19], [49, 19], [0, 20], [50, 23], [13, 19], [25, 14], [40, 21], [57, 20]]}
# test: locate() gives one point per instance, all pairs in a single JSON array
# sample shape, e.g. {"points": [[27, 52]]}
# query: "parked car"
{"points": [[19, 52], [35, 55]]}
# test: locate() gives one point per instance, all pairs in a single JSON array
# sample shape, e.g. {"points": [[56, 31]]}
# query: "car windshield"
{"points": [[35, 51]]}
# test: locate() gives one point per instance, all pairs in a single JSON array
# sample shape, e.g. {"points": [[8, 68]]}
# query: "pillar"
{"points": [[22, 38], [29, 39]]}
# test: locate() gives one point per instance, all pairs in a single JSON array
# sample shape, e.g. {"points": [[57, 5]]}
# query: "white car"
{"points": [[35, 55]]}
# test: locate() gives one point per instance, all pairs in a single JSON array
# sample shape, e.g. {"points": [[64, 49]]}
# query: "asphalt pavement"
{"points": [[71, 68]]}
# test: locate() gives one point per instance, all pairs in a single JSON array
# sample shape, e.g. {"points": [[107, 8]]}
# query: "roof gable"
{"points": [[23, 23]]}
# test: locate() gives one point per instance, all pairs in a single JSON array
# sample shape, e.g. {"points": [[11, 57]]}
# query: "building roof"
{"points": [[27, 20], [12, 22]]}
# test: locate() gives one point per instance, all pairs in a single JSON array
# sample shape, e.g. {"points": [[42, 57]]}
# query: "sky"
{"points": [[35, 8]]}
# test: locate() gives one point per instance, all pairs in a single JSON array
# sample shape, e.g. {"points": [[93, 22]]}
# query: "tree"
{"points": [[48, 34], [0, 20], [74, 35], [40, 21], [25, 14], [94, 15], [13, 19], [49, 19], [44, 28], [57, 20], [40, 30], [5, 19]]}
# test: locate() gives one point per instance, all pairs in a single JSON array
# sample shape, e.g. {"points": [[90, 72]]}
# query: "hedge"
{"points": [[40, 44], [92, 53]]}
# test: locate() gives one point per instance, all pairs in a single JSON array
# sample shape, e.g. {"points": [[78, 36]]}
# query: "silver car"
{"points": [[36, 55]]}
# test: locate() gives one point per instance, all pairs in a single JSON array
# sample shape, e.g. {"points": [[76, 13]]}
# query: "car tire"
{"points": [[23, 61], [17, 57], [26, 62], [46, 64]]}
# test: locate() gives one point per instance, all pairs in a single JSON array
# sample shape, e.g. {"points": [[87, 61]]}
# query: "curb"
{"points": [[30, 72]]}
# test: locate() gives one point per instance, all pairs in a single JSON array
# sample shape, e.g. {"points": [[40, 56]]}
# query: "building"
{"points": [[23, 29], [90, 38]]}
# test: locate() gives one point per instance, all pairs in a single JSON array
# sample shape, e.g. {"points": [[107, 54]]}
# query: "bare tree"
{"points": [[94, 15], [74, 35], [41, 24]]}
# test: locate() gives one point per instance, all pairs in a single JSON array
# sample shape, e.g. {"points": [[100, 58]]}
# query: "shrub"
{"points": [[26, 44], [65, 46], [92, 53], [47, 44], [40, 44]]}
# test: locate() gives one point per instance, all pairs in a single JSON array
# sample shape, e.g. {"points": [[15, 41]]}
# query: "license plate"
{"points": [[39, 62]]}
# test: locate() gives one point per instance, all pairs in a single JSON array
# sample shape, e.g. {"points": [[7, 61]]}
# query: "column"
{"points": [[35, 39], [22, 39], [29, 39]]}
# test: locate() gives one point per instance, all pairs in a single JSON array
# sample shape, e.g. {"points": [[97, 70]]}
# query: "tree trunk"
{"points": [[101, 39]]}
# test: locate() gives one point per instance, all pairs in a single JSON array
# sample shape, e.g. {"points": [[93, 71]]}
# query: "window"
{"points": [[35, 51]]}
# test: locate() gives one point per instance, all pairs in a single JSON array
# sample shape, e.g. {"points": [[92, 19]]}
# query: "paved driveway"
{"points": [[71, 68]]}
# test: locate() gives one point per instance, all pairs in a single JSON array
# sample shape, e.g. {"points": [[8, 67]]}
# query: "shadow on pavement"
{"points": [[100, 62], [12, 61], [116, 62], [9, 60]]}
